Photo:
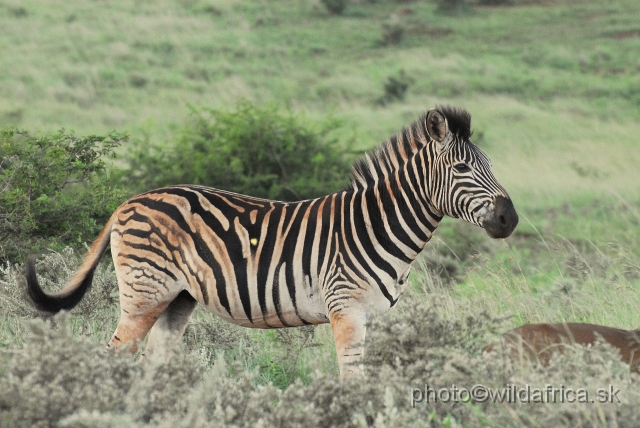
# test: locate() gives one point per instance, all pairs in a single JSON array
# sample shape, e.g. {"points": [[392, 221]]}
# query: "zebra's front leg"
{"points": [[349, 333]]}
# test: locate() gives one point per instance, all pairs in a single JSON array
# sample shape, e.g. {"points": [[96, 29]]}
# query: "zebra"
{"points": [[341, 259]]}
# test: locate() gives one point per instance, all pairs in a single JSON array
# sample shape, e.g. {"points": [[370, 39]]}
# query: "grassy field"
{"points": [[547, 84], [554, 91]]}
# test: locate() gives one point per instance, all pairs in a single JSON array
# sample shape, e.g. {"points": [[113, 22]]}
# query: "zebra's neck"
{"points": [[398, 212], [390, 156]]}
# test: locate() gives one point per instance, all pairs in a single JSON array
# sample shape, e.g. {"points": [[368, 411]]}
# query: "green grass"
{"points": [[553, 88], [124, 62]]}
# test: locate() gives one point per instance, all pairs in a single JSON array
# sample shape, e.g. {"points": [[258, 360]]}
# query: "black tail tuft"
{"points": [[54, 302]]}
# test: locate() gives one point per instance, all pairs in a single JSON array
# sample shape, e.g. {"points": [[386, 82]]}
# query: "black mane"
{"points": [[399, 148], [459, 121]]}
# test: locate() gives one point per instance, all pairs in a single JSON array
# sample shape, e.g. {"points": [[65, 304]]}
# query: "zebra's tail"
{"points": [[72, 293]]}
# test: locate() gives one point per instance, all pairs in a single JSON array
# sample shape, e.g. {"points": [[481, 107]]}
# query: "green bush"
{"points": [[54, 189], [393, 30], [252, 150], [453, 7], [335, 7], [395, 88]]}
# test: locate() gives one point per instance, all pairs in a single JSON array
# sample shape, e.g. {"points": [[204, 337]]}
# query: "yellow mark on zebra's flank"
{"points": [[254, 241]]}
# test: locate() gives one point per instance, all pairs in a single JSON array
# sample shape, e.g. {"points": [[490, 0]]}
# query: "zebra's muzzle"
{"points": [[502, 221]]}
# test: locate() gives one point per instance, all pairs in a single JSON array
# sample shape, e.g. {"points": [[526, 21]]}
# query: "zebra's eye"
{"points": [[462, 167]]}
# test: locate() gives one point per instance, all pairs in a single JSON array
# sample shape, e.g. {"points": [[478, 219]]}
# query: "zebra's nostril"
{"points": [[503, 221]]}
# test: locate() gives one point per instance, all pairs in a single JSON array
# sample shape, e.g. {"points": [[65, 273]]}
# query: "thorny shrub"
{"points": [[51, 377], [54, 270], [56, 379], [55, 374]]}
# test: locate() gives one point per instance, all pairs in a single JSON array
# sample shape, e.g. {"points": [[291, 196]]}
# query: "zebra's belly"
{"points": [[274, 321], [276, 306]]}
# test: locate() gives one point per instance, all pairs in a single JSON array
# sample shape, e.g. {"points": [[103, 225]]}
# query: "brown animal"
{"points": [[537, 342]]}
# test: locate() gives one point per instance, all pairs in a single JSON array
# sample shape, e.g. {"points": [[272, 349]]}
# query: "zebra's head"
{"points": [[461, 183]]}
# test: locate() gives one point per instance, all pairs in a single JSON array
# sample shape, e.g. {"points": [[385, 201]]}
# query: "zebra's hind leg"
{"points": [[134, 324], [349, 333], [170, 327], [142, 303]]}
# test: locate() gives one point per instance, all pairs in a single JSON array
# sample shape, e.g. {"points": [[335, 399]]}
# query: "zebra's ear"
{"points": [[436, 125]]}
